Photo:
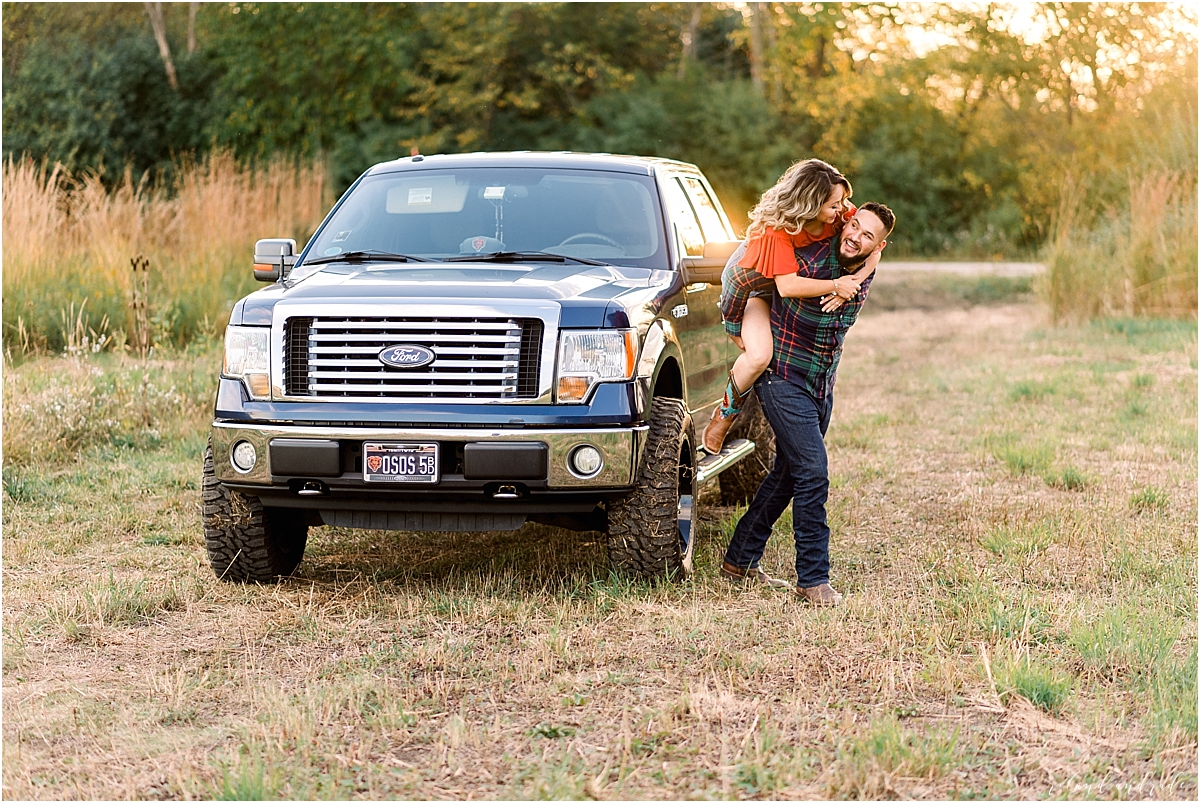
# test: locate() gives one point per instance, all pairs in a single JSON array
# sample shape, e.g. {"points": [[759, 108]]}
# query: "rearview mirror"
{"points": [[273, 258], [708, 268]]}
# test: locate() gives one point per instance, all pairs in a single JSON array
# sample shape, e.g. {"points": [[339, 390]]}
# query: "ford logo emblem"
{"points": [[406, 356]]}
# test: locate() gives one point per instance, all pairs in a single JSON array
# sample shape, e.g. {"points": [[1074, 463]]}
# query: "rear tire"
{"points": [[740, 482], [652, 531], [246, 542]]}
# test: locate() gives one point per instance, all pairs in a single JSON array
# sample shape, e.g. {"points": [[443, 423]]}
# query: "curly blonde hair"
{"points": [[797, 197]]}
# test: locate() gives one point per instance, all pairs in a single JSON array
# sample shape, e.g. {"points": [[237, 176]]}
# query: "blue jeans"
{"points": [[800, 477]]}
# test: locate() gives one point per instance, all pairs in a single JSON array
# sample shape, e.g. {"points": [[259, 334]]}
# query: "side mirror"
{"points": [[273, 258], [708, 268]]}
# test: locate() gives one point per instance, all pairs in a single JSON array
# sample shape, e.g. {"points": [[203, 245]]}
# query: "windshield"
{"points": [[436, 214]]}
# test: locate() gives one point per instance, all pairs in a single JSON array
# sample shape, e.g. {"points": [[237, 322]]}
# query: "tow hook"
{"points": [[313, 488], [506, 490]]}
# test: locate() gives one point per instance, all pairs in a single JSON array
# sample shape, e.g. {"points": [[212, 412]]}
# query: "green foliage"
{"points": [[123, 602], [1021, 457], [250, 778], [1030, 390], [1123, 643], [103, 105], [724, 127], [1017, 544], [1038, 681], [1173, 702], [890, 749], [1003, 620], [1067, 478], [545, 730], [1149, 499], [98, 401], [912, 156], [969, 143], [280, 92]]}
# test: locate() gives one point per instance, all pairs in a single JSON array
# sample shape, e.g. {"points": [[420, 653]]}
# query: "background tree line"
{"points": [[966, 122]]}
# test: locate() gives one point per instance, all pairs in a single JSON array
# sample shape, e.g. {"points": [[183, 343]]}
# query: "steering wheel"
{"points": [[593, 236]]}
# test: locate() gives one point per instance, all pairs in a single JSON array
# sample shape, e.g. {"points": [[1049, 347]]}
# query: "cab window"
{"points": [[679, 209], [710, 219]]}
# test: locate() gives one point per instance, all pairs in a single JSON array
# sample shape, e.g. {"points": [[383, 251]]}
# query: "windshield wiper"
{"points": [[366, 256], [522, 256]]}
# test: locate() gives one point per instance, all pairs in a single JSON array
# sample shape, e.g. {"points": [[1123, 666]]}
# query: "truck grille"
{"points": [[476, 358]]}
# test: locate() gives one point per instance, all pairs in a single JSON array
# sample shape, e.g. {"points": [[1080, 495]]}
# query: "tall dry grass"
{"points": [[69, 239], [1135, 261]]}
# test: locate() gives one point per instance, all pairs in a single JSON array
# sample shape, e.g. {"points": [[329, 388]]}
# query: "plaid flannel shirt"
{"points": [[808, 342]]}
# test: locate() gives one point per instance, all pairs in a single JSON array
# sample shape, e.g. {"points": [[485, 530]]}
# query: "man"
{"points": [[797, 396]]}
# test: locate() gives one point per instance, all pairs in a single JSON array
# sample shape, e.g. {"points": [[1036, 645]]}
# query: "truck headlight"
{"points": [[587, 357], [248, 358]]}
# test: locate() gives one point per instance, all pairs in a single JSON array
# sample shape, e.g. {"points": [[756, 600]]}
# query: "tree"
{"points": [[155, 12]]}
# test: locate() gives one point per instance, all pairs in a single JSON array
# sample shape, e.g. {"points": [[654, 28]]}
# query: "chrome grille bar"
{"points": [[475, 358]]}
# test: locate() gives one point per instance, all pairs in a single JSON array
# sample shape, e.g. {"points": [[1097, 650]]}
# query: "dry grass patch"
{"points": [[69, 241], [1002, 636]]}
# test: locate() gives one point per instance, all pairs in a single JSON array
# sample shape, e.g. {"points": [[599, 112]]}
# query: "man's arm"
{"points": [[833, 302]]}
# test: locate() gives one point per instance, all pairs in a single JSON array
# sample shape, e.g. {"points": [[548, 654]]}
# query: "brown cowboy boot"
{"points": [[723, 416], [822, 596], [738, 574]]}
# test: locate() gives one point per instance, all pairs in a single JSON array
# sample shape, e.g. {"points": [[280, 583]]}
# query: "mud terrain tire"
{"points": [[644, 528], [246, 542]]}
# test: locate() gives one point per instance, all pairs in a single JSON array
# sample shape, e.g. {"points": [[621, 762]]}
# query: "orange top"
{"points": [[772, 252]]}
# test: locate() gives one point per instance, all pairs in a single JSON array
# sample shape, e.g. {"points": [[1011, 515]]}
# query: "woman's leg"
{"points": [[758, 342], [758, 345]]}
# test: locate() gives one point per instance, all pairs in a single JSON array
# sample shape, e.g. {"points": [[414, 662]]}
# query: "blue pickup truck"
{"points": [[469, 342]]}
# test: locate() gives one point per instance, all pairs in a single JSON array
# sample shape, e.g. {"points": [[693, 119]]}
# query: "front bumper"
{"points": [[620, 447]]}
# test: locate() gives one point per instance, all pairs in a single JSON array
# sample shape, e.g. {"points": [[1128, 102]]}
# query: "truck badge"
{"points": [[406, 356]]}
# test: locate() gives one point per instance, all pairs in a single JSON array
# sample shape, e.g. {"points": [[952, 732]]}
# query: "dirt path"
{"points": [[967, 268]]}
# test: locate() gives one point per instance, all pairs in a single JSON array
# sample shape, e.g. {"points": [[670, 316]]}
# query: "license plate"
{"points": [[400, 462]]}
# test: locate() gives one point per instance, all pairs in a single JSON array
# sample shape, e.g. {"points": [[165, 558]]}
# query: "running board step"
{"points": [[714, 464]]}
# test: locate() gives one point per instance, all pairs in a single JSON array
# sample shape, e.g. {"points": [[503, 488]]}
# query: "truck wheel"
{"points": [[739, 482], [246, 542], [651, 532]]}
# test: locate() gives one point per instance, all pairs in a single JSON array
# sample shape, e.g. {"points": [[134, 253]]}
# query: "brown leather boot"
{"points": [[723, 417], [822, 596], [718, 427], [756, 575]]}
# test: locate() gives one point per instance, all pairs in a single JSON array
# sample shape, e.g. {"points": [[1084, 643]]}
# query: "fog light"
{"points": [[243, 455], [586, 460]]}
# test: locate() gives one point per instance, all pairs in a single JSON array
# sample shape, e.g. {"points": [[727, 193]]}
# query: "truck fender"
{"points": [[660, 348]]}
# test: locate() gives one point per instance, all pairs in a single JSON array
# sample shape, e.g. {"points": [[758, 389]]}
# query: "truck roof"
{"points": [[644, 165]]}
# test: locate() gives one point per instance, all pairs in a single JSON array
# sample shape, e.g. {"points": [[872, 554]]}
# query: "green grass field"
{"points": [[1014, 525]]}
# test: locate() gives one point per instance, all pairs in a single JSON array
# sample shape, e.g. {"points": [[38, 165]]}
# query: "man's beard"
{"points": [[849, 263]]}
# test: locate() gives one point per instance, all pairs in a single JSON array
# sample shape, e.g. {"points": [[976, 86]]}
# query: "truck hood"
{"points": [[574, 286], [469, 280]]}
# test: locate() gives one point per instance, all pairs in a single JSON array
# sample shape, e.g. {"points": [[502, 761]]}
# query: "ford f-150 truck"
{"points": [[469, 342]]}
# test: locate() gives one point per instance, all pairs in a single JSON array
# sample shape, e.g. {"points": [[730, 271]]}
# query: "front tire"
{"points": [[246, 542], [652, 531]]}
